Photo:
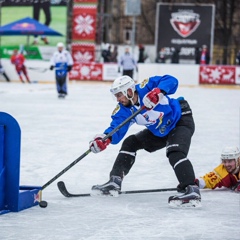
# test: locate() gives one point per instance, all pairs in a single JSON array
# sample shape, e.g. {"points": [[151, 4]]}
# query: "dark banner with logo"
{"points": [[185, 28]]}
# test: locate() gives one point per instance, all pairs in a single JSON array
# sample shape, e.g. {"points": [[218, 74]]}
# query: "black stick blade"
{"points": [[62, 188]]}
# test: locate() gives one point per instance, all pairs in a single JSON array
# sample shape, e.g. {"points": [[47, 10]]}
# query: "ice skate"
{"points": [[61, 95], [190, 199], [110, 188]]}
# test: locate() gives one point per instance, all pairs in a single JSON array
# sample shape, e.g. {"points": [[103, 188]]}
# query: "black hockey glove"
{"points": [[69, 68], [196, 182], [51, 67], [236, 188]]}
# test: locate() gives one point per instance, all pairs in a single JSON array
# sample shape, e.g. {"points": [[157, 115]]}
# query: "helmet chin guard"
{"points": [[122, 84]]}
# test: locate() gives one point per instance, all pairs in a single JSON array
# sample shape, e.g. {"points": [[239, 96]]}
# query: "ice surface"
{"points": [[55, 132]]}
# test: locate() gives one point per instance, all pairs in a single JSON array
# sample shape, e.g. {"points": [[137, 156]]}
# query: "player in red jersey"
{"points": [[18, 60], [227, 174]]}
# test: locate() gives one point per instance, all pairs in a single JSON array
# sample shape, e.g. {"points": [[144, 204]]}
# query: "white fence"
{"points": [[186, 74]]}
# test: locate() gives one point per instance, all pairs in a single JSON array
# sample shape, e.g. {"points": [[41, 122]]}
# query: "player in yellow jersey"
{"points": [[227, 174]]}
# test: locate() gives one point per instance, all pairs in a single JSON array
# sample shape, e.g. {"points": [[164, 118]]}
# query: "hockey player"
{"points": [[62, 62], [169, 123], [2, 71], [227, 174], [18, 60]]}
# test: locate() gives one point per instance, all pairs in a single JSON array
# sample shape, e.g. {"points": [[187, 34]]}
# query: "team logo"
{"points": [[24, 25], [117, 108], [160, 119], [144, 83], [185, 23], [37, 197]]}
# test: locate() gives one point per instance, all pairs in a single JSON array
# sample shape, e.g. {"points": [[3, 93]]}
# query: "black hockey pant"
{"points": [[177, 144], [61, 82]]}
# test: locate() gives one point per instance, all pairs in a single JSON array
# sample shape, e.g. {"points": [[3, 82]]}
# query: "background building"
{"points": [[117, 28], [114, 27]]}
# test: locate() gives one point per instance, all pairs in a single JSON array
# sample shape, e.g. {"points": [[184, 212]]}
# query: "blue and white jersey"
{"points": [[160, 120], [61, 57], [61, 69]]}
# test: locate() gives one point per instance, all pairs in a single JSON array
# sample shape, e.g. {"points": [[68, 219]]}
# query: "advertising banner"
{"points": [[30, 52], [238, 75], [95, 71], [216, 74], [184, 27], [84, 23], [83, 53], [86, 71], [110, 71]]}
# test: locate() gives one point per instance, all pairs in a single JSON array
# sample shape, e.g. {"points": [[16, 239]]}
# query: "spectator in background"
{"points": [[175, 56], [142, 55], [161, 57], [114, 54], [204, 57], [238, 58], [18, 60], [128, 63], [106, 53], [45, 6], [2, 71], [197, 55]]}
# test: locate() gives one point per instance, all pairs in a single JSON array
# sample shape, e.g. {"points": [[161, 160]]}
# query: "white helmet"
{"points": [[122, 84], [230, 153], [60, 44]]}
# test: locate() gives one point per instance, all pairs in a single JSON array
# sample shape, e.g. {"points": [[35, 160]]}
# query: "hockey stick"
{"points": [[89, 150], [37, 69], [62, 188]]}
